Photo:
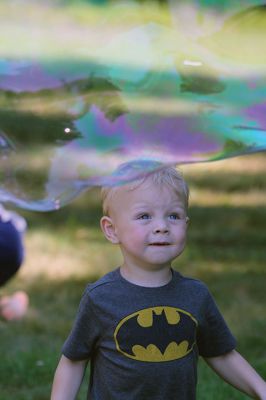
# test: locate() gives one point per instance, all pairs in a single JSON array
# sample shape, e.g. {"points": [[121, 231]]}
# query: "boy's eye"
{"points": [[144, 216], [174, 216]]}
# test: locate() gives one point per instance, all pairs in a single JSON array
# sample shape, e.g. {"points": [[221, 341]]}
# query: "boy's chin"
{"points": [[156, 265], [160, 260]]}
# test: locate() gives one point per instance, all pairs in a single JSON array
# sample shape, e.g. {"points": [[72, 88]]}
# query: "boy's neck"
{"points": [[142, 277]]}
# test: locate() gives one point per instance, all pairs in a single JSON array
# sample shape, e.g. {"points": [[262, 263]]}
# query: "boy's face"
{"points": [[149, 223]]}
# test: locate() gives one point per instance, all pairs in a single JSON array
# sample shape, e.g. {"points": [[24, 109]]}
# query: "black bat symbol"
{"points": [[160, 333]]}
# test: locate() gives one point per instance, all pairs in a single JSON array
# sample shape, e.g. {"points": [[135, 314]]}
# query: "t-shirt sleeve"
{"points": [[84, 335], [214, 338]]}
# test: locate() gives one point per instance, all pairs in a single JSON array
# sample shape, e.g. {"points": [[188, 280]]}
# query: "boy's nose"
{"points": [[161, 227], [161, 230]]}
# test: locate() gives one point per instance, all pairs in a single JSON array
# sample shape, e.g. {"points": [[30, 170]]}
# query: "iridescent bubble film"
{"points": [[85, 86]]}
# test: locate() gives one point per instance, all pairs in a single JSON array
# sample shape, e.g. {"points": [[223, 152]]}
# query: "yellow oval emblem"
{"points": [[156, 334]]}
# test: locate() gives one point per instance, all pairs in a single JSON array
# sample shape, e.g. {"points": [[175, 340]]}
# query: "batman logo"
{"points": [[156, 334]]}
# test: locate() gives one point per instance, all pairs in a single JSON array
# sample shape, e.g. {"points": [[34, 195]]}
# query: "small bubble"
{"points": [[67, 130]]}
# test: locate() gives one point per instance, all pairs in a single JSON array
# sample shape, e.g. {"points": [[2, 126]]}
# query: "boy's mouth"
{"points": [[160, 244]]}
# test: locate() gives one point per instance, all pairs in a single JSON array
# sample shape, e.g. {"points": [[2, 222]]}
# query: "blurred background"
{"points": [[65, 249]]}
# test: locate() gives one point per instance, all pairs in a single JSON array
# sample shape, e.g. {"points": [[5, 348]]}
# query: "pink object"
{"points": [[14, 307]]}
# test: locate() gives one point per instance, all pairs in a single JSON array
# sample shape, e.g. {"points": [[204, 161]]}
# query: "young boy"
{"points": [[144, 325]]}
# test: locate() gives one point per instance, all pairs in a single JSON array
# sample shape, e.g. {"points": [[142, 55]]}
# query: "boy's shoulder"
{"points": [[102, 283], [194, 286], [190, 281]]}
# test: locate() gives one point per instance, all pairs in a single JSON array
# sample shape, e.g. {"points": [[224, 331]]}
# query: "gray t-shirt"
{"points": [[144, 342]]}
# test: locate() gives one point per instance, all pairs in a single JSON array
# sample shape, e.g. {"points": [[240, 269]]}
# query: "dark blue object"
{"points": [[11, 251]]}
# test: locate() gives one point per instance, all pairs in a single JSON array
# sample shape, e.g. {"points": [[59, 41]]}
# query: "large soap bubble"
{"points": [[86, 87]]}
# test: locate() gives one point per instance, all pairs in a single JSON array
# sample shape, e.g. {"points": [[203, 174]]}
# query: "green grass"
{"points": [[66, 250]]}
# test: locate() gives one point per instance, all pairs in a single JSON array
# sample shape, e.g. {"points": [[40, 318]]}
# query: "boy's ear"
{"points": [[108, 229]]}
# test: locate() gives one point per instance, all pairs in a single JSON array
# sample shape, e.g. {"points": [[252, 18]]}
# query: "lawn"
{"points": [[66, 250]]}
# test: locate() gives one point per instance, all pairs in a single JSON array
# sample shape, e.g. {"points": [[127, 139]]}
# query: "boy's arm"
{"points": [[67, 379], [234, 369]]}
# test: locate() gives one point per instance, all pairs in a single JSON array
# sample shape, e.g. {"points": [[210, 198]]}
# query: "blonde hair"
{"points": [[157, 172]]}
